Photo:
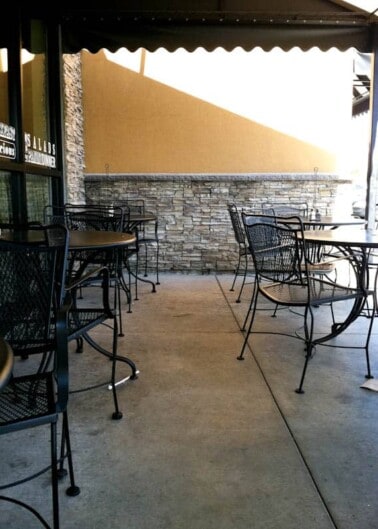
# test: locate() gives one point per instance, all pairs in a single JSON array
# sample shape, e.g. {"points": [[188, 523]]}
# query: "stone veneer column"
{"points": [[74, 129]]}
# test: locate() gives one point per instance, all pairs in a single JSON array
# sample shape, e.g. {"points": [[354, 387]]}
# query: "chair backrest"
{"points": [[236, 223], [276, 248], [94, 217], [300, 210], [135, 205], [32, 286], [53, 214]]}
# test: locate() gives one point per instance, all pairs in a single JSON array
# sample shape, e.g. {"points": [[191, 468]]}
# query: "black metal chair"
{"points": [[319, 262], [145, 227], [279, 253], [33, 320], [148, 236], [53, 214], [242, 249]]}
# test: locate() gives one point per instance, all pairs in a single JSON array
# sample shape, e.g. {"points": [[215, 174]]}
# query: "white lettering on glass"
{"points": [[39, 151]]}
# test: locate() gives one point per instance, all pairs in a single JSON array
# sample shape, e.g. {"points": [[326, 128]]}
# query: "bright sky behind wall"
{"points": [[367, 5]]}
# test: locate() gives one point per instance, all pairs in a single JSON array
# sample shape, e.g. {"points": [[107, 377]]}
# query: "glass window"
{"points": [[38, 195], [7, 132], [4, 105], [39, 147], [5, 196]]}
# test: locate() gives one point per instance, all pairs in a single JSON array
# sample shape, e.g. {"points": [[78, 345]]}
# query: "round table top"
{"points": [[81, 240], [344, 237], [334, 221], [6, 362], [94, 240]]}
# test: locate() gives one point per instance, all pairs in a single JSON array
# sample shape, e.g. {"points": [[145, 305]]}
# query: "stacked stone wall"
{"points": [[195, 230]]}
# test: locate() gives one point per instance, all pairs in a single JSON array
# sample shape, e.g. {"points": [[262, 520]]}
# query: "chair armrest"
{"points": [[77, 282], [95, 274]]}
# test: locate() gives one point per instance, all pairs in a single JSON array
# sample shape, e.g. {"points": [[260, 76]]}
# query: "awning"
{"points": [[171, 24], [190, 24], [143, 33]]}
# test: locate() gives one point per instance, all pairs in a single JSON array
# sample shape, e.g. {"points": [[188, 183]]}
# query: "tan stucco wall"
{"points": [[135, 124]]}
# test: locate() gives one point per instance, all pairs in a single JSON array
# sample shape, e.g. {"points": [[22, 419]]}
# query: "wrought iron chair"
{"points": [[148, 236], [319, 262], [282, 277], [242, 246], [145, 226], [33, 320]]}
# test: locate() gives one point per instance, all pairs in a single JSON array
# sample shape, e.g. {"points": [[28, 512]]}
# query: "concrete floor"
{"points": [[207, 441]]}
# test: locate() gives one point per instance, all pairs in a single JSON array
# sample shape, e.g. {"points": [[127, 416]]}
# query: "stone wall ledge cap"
{"points": [[214, 177]]}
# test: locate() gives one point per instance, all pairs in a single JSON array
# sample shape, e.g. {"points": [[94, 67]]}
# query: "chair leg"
{"points": [[54, 471], [309, 348], [145, 259], [73, 489], [244, 277], [118, 302], [372, 316], [251, 309], [309, 329], [236, 273], [117, 414], [157, 262]]}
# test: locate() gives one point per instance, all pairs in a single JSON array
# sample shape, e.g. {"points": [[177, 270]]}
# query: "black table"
{"points": [[78, 240], [356, 245], [344, 238]]}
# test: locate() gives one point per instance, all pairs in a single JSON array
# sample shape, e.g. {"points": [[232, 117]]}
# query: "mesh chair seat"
{"points": [[297, 294], [28, 399], [324, 267]]}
